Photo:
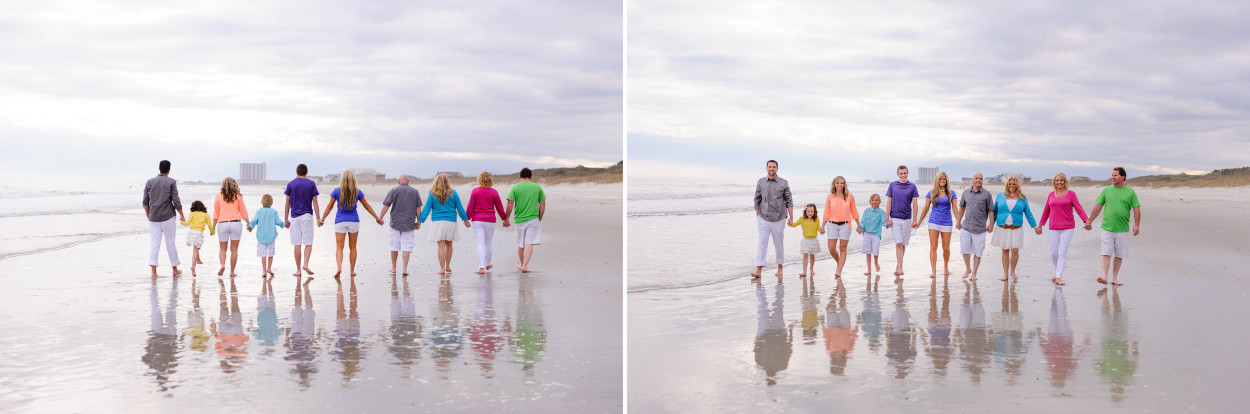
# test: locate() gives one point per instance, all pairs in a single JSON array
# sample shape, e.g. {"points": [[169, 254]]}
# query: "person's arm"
{"points": [[1076, 204], [959, 217], [425, 210], [147, 199], [789, 200], [317, 208], [499, 209], [1045, 216], [954, 206], [759, 198], [242, 208], [992, 212], [329, 206], [542, 209], [889, 201], [286, 212], [455, 199], [369, 208], [508, 213], [928, 201], [175, 200], [1136, 220], [211, 230], [915, 205], [1089, 222], [1028, 213], [382, 212]]}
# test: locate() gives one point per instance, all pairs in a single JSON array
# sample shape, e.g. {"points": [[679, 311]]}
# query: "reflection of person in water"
{"points": [[231, 341], [347, 348], [299, 341], [1057, 343], [1010, 342], [161, 352], [446, 340], [773, 344], [405, 341], [1118, 361], [972, 336], [531, 334], [484, 334], [870, 317], [839, 334], [266, 332], [195, 321], [809, 302], [939, 346], [900, 340]]}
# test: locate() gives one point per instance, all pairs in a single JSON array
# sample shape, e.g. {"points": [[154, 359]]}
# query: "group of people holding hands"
{"points": [[974, 213], [442, 208]]}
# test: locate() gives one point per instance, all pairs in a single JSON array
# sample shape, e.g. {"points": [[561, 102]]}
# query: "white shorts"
{"points": [[529, 232], [347, 227], [401, 241], [809, 246], [444, 230], [264, 250], [970, 243], [1005, 238], [302, 230], [195, 238], [902, 230], [1115, 244], [872, 244], [940, 228], [229, 231], [838, 231]]}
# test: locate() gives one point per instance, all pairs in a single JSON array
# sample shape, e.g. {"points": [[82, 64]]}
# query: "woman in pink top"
{"points": [[839, 212], [229, 214], [484, 203], [1059, 206]]}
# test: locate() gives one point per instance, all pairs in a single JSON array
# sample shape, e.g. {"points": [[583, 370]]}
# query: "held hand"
{"points": [[418, 225], [287, 222], [860, 230], [822, 231], [505, 223], [1136, 229], [958, 226], [989, 228], [889, 224], [466, 224], [1039, 229], [1088, 227], [915, 224], [380, 222], [249, 229]]}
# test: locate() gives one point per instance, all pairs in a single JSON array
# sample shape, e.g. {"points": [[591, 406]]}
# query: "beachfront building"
{"points": [[452, 174], [926, 175], [1020, 176], [251, 173]]}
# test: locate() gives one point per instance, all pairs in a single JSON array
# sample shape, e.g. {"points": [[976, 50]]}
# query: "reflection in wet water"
{"points": [[973, 338], [266, 331], [485, 334], [231, 343], [939, 347], [1058, 343], [900, 338], [530, 341], [446, 339], [810, 319], [300, 348], [348, 350], [870, 317], [405, 328], [772, 343], [161, 351], [839, 332], [1118, 361], [1010, 342]]}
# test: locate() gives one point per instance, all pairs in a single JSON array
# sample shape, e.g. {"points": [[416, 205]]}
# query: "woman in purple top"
{"points": [[484, 203], [1059, 207], [941, 223]]}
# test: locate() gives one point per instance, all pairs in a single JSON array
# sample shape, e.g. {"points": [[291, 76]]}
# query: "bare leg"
{"points": [[195, 258], [876, 260], [933, 242], [529, 253], [1006, 264], [1015, 258], [976, 265], [298, 263], [946, 252], [520, 260], [234, 257], [1106, 265], [778, 270], [450, 246], [758, 270], [338, 252], [833, 251], [899, 249], [351, 243], [153, 272], [803, 270], [222, 257], [967, 265], [868, 258], [307, 259], [394, 258], [442, 257], [263, 270], [841, 258], [269, 264], [406, 256], [1115, 273]]}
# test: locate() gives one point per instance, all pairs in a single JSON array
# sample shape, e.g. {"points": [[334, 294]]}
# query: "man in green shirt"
{"points": [[531, 203], [1118, 199]]}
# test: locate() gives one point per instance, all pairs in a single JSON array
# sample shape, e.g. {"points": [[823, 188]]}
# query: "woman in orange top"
{"points": [[839, 212], [229, 214]]}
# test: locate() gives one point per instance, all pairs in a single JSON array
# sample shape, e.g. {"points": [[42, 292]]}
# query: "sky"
{"points": [[109, 88], [857, 88]]}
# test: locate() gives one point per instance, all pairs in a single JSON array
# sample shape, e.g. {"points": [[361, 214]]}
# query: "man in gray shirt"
{"points": [[404, 202], [160, 201], [978, 206], [772, 205]]}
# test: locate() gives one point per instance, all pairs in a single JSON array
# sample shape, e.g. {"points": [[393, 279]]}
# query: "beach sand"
{"points": [[87, 330], [1168, 341]]}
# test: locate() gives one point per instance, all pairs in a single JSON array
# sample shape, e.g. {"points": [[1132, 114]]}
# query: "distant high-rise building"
{"points": [[250, 173], [925, 175]]}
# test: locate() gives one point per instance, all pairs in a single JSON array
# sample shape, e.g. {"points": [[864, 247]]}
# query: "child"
{"points": [[810, 247], [870, 226], [265, 218], [195, 238]]}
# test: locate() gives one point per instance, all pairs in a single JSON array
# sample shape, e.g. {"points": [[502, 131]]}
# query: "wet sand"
{"points": [[89, 331], [1167, 341]]}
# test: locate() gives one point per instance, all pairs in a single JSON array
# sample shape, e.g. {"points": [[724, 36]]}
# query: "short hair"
{"points": [[301, 169], [526, 173], [164, 167], [198, 205], [266, 200], [901, 167], [772, 161], [1121, 171], [874, 196], [484, 180]]}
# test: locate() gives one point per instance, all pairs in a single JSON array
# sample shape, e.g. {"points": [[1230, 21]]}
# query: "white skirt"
{"points": [[444, 231], [1008, 238]]}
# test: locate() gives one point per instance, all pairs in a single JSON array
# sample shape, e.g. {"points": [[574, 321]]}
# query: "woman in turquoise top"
{"points": [[442, 207], [1011, 207]]}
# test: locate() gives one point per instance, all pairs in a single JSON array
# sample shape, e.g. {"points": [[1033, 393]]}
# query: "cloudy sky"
{"points": [[857, 88], [109, 88]]}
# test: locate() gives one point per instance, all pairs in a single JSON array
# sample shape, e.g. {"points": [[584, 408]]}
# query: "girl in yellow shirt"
{"points": [[810, 246], [198, 220]]}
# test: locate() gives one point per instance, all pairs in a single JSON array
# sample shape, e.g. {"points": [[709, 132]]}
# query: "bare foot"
{"points": [[755, 275], [1014, 277], [933, 275], [353, 274], [448, 269], [801, 275], [948, 272], [271, 273], [1057, 281], [405, 274], [836, 275], [973, 278], [481, 270], [221, 271], [967, 272], [233, 275], [1004, 279], [1102, 280], [193, 273], [488, 267], [392, 270], [897, 273], [518, 267], [443, 272], [307, 270], [177, 272], [778, 273], [525, 270], [1117, 282], [878, 268], [868, 273], [296, 274], [336, 274]]}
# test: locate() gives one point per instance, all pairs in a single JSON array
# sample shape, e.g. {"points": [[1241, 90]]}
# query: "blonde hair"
{"points": [[1019, 191], [874, 196], [484, 180], [441, 189], [1060, 175], [347, 190], [833, 187], [266, 200], [933, 194], [229, 189]]}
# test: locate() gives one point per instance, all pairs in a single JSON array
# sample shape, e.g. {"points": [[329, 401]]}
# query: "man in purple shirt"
{"points": [[901, 197], [301, 210]]}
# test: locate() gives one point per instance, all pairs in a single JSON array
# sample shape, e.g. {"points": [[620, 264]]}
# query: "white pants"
{"points": [[484, 232], [1059, 240], [165, 229], [767, 229]]}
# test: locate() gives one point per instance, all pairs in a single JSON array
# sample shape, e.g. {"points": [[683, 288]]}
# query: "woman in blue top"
{"points": [[346, 221], [444, 205], [941, 223], [1011, 208]]}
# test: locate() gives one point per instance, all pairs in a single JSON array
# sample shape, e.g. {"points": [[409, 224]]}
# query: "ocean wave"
{"points": [[65, 212], [82, 239], [688, 212]]}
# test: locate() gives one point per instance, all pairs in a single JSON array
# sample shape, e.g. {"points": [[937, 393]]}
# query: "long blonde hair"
{"points": [[1065, 180], [347, 190], [1019, 191], [936, 188], [484, 180], [441, 189], [229, 189], [833, 187]]}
